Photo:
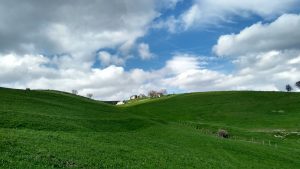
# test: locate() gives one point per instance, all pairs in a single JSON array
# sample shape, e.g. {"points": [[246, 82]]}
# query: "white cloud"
{"points": [[19, 69], [267, 55], [144, 51], [182, 63], [294, 61], [54, 44], [107, 59], [171, 24], [169, 4], [73, 27], [205, 13], [266, 71], [40, 72], [282, 34]]}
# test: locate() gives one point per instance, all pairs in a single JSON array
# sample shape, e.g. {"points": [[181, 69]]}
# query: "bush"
{"points": [[223, 133]]}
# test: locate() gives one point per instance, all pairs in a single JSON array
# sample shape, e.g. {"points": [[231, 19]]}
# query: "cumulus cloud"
{"points": [[108, 59], [53, 45], [265, 71], [282, 34], [72, 27], [205, 13], [16, 69], [184, 72], [172, 24], [109, 83], [266, 56], [181, 63], [169, 4], [144, 51], [40, 72]]}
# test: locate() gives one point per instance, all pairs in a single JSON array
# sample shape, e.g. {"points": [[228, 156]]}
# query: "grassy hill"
{"points": [[50, 129], [241, 109]]}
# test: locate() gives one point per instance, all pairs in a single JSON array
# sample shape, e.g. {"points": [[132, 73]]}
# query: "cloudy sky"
{"points": [[117, 48]]}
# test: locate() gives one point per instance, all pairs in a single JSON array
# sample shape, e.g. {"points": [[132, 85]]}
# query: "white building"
{"points": [[120, 103], [133, 97]]}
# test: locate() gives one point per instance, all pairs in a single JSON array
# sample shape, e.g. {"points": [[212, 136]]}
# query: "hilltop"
{"points": [[51, 129]]}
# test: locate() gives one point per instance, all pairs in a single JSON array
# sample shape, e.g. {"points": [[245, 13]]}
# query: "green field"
{"points": [[50, 129]]}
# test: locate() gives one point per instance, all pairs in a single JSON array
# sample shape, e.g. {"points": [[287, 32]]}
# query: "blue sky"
{"points": [[114, 49], [197, 41]]}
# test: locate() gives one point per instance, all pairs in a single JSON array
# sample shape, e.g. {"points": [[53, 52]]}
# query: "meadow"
{"points": [[52, 129]]}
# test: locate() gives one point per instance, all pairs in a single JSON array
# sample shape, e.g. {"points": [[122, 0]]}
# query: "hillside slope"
{"points": [[241, 109], [50, 129], [57, 111]]}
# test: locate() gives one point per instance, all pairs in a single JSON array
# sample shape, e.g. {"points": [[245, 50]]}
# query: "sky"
{"points": [[118, 48]]}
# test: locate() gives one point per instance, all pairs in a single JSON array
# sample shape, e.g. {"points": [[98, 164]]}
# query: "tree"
{"points": [[74, 92], [288, 88], [163, 91], [298, 84], [89, 95], [142, 96], [152, 94], [155, 94]]}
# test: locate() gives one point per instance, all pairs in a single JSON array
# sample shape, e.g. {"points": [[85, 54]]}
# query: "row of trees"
{"points": [[155, 94], [289, 88], [151, 94], [88, 95]]}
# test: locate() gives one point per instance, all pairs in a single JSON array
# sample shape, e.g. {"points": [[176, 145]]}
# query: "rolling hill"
{"points": [[51, 129]]}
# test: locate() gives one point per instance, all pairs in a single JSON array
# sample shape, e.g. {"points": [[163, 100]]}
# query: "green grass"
{"points": [[51, 129]]}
